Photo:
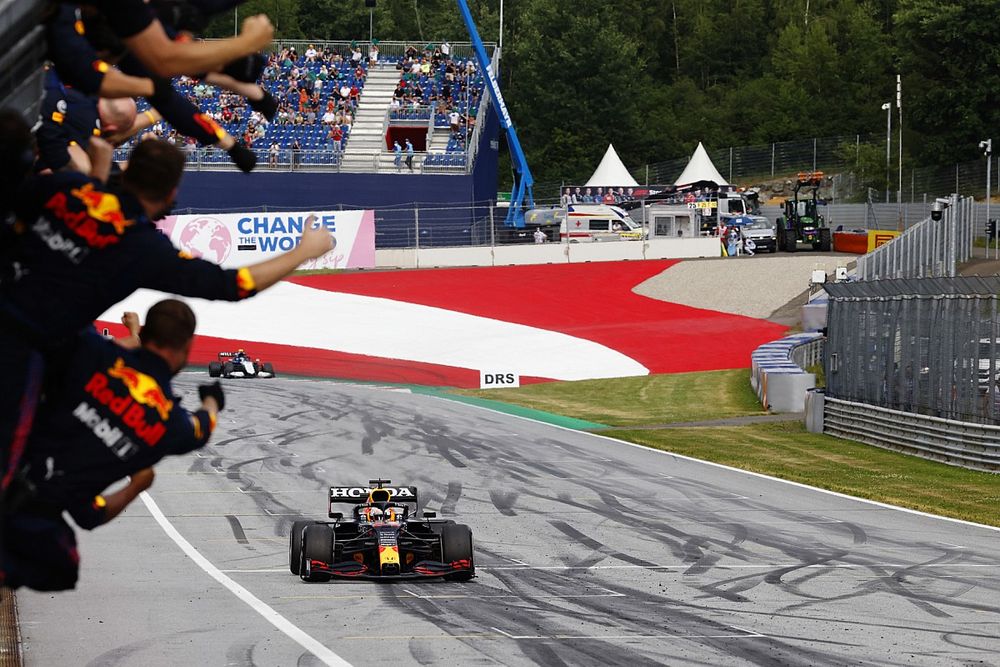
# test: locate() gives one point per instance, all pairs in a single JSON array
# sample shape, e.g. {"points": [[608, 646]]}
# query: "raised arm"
{"points": [[167, 58], [316, 241]]}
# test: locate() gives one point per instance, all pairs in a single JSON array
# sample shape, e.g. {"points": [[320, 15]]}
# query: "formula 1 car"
{"points": [[382, 540], [239, 363]]}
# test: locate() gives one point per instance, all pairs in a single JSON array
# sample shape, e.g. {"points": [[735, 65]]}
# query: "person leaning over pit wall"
{"points": [[77, 247], [109, 414], [135, 23]]}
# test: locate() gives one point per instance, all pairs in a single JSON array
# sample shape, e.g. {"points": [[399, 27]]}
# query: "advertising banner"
{"points": [[237, 239]]}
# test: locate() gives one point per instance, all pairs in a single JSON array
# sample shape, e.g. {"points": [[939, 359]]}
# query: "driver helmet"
{"points": [[373, 513]]}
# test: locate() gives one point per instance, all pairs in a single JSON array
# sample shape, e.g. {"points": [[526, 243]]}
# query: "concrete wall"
{"points": [[546, 253]]}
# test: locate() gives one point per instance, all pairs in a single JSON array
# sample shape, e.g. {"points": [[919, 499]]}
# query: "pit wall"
{"points": [[546, 253]]}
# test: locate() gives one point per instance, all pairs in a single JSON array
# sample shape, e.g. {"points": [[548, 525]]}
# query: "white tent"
{"points": [[700, 168], [611, 172]]}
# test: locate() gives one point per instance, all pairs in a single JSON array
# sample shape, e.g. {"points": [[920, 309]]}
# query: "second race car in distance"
{"points": [[382, 540], [239, 364]]}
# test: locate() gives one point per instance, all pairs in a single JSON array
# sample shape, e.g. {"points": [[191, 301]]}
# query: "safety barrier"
{"points": [[546, 253], [975, 446], [928, 249], [777, 371]]}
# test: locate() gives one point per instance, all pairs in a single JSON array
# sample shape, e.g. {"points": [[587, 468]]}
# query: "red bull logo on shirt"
{"points": [[143, 392], [103, 207]]}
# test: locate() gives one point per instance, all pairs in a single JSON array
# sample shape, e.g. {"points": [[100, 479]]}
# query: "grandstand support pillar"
{"points": [[416, 237]]}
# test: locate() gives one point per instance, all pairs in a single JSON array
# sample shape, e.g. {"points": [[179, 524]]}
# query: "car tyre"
{"points": [[266, 367], [214, 369], [295, 545], [317, 544], [227, 369], [456, 544]]}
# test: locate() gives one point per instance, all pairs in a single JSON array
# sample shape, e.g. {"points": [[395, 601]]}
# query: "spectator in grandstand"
{"points": [[335, 137], [567, 198], [588, 197], [398, 152], [373, 56], [577, 196], [296, 150], [409, 154], [445, 51], [311, 54], [411, 52], [355, 55], [609, 197]]}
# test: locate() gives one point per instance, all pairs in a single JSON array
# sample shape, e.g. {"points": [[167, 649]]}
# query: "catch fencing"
{"points": [[931, 248], [928, 346]]}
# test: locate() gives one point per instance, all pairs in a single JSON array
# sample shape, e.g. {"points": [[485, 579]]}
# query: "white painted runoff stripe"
{"points": [[290, 314], [732, 469], [325, 655]]}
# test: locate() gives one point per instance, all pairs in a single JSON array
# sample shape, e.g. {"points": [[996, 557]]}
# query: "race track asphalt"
{"points": [[588, 551]]}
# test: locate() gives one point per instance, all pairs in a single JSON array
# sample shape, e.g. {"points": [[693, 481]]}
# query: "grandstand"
{"points": [[400, 93], [454, 179]]}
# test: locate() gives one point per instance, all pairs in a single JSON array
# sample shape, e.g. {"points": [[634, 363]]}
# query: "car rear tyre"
{"points": [[317, 544], [295, 545], [214, 369], [456, 544], [267, 368]]}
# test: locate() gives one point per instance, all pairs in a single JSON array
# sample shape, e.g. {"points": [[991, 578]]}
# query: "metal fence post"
{"points": [[416, 237], [493, 230]]}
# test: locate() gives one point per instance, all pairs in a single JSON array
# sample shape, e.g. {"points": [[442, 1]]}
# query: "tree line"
{"points": [[655, 78]]}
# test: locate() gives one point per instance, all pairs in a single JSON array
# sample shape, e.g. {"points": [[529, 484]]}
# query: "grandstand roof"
{"points": [[699, 169], [611, 172]]}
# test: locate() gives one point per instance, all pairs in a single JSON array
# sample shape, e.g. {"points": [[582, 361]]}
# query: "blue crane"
{"points": [[521, 195]]}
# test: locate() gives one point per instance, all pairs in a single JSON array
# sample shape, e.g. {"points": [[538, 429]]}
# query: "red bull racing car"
{"points": [[239, 364], [382, 540]]}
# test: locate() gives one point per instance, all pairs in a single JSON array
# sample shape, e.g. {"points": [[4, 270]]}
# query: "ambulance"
{"points": [[585, 223]]}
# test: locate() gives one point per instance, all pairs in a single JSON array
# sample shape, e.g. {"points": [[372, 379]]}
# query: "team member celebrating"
{"points": [[80, 248], [110, 415]]}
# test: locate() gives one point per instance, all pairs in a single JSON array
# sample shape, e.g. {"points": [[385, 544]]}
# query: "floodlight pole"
{"points": [[899, 106], [887, 107]]}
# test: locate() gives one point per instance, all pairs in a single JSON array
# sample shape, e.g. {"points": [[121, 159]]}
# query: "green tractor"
{"points": [[801, 221]]}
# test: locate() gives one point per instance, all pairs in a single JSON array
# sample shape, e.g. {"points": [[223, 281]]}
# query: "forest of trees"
{"points": [[655, 78]]}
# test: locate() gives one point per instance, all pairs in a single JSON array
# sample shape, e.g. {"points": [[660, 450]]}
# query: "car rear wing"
{"points": [[223, 355], [355, 495]]}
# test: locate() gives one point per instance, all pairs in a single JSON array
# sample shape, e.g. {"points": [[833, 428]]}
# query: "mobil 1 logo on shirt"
{"points": [[498, 379]]}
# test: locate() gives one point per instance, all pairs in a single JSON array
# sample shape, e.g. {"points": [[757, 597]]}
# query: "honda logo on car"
{"points": [[361, 492]]}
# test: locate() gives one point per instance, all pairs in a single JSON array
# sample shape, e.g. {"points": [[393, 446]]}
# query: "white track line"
{"points": [[730, 468], [325, 655]]}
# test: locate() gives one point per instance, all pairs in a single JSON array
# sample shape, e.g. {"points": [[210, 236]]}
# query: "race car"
{"points": [[239, 363], [382, 540]]}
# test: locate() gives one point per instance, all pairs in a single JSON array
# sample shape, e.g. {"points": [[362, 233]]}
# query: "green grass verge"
{"points": [[787, 451], [784, 449], [637, 401]]}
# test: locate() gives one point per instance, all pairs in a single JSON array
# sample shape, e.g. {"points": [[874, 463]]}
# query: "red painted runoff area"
{"points": [[593, 301]]}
